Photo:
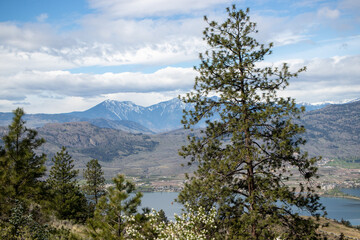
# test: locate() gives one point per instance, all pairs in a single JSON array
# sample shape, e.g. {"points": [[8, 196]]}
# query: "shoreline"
{"points": [[340, 196], [338, 193], [327, 195]]}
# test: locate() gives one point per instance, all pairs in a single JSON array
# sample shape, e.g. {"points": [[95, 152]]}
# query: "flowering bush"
{"points": [[192, 225]]}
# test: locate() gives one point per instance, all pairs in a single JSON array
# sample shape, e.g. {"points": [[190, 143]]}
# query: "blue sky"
{"points": [[62, 56]]}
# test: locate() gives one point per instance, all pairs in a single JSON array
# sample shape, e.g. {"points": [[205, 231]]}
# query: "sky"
{"points": [[63, 56]]}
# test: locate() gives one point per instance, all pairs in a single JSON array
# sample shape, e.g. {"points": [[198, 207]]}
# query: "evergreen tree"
{"points": [[21, 169], [109, 219], [22, 224], [95, 181], [67, 200], [244, 157]]}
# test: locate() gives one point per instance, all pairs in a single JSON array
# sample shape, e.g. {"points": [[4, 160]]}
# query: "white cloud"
{"points": [[13, 61], [146, 8], [36, 59], [326, 79], [350, 4], [41, 104], [42, 17], [63, 83], [30, 36], [123, 42], [283, 30], [326, 12]]}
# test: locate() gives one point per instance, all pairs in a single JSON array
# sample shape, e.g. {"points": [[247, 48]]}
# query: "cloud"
{"points": [[350, 4], [33, 36], [326, 12], [286, 30], [42, 17], [100, 43], [13, 61], [22, 103], [63, 83], [40, 104], [326, 79], [37, 59], [145, 8]]}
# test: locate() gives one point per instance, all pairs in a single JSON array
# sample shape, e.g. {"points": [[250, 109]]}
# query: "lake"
{"points": [[337, 208]]}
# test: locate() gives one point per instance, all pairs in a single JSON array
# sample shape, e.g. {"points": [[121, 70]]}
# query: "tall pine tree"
{"points": [[21, 169], [67, 200], [244, 157], [109, 220], [95, 181]]}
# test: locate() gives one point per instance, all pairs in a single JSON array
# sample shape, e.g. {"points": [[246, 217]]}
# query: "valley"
{"points": [[150, 155]]}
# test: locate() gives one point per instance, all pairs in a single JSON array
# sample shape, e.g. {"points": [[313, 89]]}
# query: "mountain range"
{"points": [[126, 116], [126, 146]]}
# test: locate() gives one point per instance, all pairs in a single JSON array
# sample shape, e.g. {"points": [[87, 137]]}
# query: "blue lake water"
{"points": [[337, 208], [352, 191]]}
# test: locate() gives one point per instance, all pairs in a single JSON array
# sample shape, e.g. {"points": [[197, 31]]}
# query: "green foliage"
{"points": [[67, 200], [162, 216], [20, 167], [243, 157], [95, 181], [109, 218], [346, 223], [23, 225], [351, 163]]}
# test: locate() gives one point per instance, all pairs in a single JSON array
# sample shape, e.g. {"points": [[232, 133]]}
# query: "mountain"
{"points": [[104, 144], [124, 125], [320, 105], [39, 120], [127, 116], [164, 116], [332, 132], [311, 106], [118, 151]]}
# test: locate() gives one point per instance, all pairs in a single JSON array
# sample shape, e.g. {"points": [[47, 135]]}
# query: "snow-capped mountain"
{"points": [[113, 110], [159, 117], [128, 116], [319, 105], [312, 106]]}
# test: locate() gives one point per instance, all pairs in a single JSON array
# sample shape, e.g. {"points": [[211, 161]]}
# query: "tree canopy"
{"points": [[67, 200], [109, 219], [95, 181], [21, 168], [245, 157]]}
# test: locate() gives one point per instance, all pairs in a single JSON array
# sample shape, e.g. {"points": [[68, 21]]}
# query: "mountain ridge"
{"points": [[332, 132], [160, 117]]}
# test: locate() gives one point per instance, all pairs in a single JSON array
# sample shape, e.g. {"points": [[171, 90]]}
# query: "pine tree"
{"points": [[109, 219], [21, 169], [95, 181], [67, 200], [245, 156]]}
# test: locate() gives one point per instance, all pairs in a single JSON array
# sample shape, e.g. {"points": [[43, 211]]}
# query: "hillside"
{"points": [[103, 144], [118, 151], [333, 131]]}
